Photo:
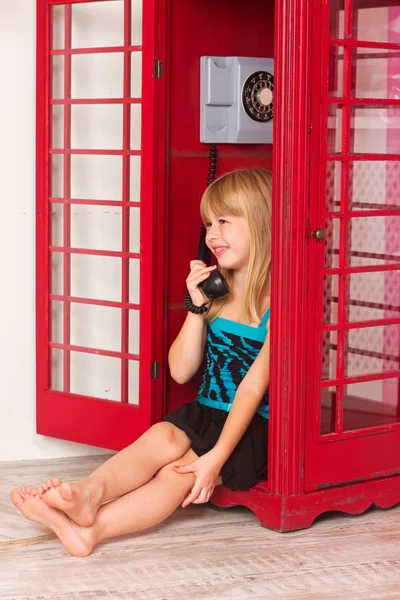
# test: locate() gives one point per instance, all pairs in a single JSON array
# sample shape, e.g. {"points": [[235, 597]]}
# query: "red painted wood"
{"points": [[67, 415]]}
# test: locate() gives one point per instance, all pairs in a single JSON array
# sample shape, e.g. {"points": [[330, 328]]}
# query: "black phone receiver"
{"points": [[214, 286]]}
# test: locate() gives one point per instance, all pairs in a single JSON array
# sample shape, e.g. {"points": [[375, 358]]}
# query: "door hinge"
{"points": [[155, 370], [158, 69]]}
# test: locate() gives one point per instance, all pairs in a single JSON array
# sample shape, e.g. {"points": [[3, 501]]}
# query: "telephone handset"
{"points": [[214, 286]]}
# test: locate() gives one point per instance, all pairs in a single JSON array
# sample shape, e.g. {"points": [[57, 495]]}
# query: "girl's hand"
{"points": [[198, 273], [206, 470]]}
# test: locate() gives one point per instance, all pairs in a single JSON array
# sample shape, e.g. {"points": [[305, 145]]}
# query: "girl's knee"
{"points": [[170, 437]]}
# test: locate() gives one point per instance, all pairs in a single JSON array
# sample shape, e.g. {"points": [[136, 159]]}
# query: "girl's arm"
{"points": [[247, 399], [186, 353]]}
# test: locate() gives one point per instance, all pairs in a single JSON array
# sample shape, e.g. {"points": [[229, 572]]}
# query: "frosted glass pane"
{"points": [[57, 79], [96, 126], [57, 126], [57, 222], [57, 176], [57, 270], [56, 370], [135, 175], [96, 376], [134, 245], [96, 327], [97, 75], [134, 316], [136, 74], [96, 227], [98, 24], [134, 281], [136, 18], [96, 177], [97, 277], [57, 34], [133, 386], [57, 319], [136, 126]]}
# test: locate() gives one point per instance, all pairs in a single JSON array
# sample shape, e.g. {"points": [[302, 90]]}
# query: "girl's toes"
{"points": [[56, 481], [49, 483], [16, 498]]}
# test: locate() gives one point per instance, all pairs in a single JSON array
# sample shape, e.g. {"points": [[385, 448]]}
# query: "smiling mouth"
{"points": [[220, 250]]}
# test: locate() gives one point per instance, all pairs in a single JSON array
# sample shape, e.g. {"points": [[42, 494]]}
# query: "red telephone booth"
{"points": [[121, 170]]}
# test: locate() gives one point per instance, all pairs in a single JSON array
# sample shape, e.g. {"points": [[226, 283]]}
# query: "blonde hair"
{"points": [[244, 193]]}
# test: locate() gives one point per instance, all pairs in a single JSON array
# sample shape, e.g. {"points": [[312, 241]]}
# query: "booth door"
{"points": [[353, 399], [98, 302]]}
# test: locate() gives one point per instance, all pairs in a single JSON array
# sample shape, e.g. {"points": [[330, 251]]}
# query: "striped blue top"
{"points": [[231, 349]]}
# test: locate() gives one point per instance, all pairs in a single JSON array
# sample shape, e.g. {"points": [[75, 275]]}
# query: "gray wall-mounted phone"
{"points": [[236, 99]]}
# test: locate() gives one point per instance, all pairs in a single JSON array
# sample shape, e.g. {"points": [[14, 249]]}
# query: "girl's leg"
{"points": [[140, 509], [126, 471]]}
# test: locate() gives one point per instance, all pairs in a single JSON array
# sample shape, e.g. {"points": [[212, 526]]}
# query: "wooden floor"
{"points": [[199, 553]]}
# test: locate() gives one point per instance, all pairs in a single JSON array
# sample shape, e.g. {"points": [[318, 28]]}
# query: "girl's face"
{"points": [[228, 238]]}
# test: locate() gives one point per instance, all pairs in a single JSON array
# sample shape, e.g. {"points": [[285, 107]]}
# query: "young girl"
{"points": [[220, 437]]}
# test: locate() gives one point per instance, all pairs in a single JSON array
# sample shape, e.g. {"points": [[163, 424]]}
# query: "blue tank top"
{"points": [[231, 349]]}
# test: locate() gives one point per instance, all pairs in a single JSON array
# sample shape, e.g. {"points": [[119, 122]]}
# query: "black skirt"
{"points": [[247, 465]]}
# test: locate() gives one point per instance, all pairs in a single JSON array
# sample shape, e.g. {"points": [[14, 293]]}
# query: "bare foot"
{"points": [[76, 540], [79, 501]]}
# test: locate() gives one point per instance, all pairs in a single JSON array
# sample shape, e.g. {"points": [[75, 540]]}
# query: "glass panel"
{"points": [[96, 177], [133, 384], [57, 34], [85, 329], [57, 176], [134, 179], [98, 24], [136, 75], [134, 281], [57, 126], [374, 23], [373, 241], [375, 73], [372, 350], [375, 129], [136, 126], [134, 316], [329, 354], [373, 295], [57, 82], [97, 75], [331, 292], [336, 29], [57, 270], [57, 223], [328, 407], [57, 319], [96, 227], [335, 84], [333, 182], [136, 17], [374, 185], [371, 404], [56, 370], [134, 242], [96, 376], [96, 126], [97, 277], [332, 243], [334, 133]]}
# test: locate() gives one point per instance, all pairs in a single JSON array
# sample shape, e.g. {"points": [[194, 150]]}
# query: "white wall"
{"points": [[18, 440]]}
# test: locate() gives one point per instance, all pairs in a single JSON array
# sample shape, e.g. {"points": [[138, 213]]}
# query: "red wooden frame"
{"points": [[61, 414]]}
